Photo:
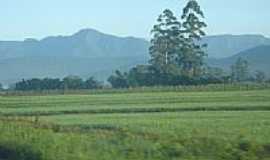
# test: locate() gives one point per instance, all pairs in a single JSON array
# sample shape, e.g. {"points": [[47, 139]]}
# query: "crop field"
{"points": [[195, 125]]}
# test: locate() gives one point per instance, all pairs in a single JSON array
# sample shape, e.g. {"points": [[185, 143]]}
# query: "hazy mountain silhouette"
{"points": [[85, 43], [90, 52]]}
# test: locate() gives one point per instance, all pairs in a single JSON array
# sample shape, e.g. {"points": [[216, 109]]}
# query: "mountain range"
{"points": [[92, 53]]}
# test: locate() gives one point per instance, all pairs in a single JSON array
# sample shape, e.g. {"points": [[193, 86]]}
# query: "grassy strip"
{"points": [[130, 102], [134, 99], [138, 110]]}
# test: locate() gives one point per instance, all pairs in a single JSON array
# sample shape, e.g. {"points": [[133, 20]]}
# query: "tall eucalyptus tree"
{"points": [[192, 59], [165, 42]]}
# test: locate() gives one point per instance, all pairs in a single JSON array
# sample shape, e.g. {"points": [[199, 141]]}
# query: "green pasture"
{"points": [[135, 102], [203, 125]]}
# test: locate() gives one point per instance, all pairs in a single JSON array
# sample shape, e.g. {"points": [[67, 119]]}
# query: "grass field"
{"points": [[201, 125]]}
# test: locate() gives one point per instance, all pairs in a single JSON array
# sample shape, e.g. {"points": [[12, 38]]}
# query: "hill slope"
{"points": [[258, 58]]}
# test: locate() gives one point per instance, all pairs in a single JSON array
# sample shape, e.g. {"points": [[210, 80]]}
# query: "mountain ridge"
{"points": [[89, 40], [85, 43], [90, 52]]}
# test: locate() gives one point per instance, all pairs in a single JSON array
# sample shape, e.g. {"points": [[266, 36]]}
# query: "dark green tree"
{"points": [[69, 82], [214, 75], [240, 70], [91, 83], [32, 84], [72, 82], [119, 80], [51, 84], [192, 53]]}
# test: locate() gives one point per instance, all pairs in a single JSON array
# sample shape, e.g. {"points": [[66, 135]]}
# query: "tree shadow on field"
{"points": [[18, 153]]}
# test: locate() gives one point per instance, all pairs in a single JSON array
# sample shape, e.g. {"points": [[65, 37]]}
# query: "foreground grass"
{"points": [[230, 125], [139, 139]]}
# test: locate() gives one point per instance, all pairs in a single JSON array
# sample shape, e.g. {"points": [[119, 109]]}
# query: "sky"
{"points": [[21, 19]]}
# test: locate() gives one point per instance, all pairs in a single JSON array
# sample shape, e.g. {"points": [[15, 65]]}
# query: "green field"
{"points": [[201, 125]]}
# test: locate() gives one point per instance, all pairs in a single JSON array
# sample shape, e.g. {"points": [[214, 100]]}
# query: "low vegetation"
{"points": [[165, 124]]}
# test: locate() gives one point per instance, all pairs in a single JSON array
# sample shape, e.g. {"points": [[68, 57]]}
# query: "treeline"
{"points": [[141, 77], [148, 76], [67, 83], [145, 76]]}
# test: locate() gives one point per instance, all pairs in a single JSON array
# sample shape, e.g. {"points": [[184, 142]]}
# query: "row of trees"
{"points": [[70, 82], [147, 76], [137, 78]]}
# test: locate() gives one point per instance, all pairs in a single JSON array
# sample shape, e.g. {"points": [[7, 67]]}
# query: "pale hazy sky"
{"points": [[40, 18]]}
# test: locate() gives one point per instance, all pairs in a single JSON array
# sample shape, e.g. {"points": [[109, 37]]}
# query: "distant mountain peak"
{"points": [[30, 40], [87, 31]]}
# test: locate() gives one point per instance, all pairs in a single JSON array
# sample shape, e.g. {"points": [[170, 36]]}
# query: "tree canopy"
{"points": [[175, 44], [67, 83]]}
